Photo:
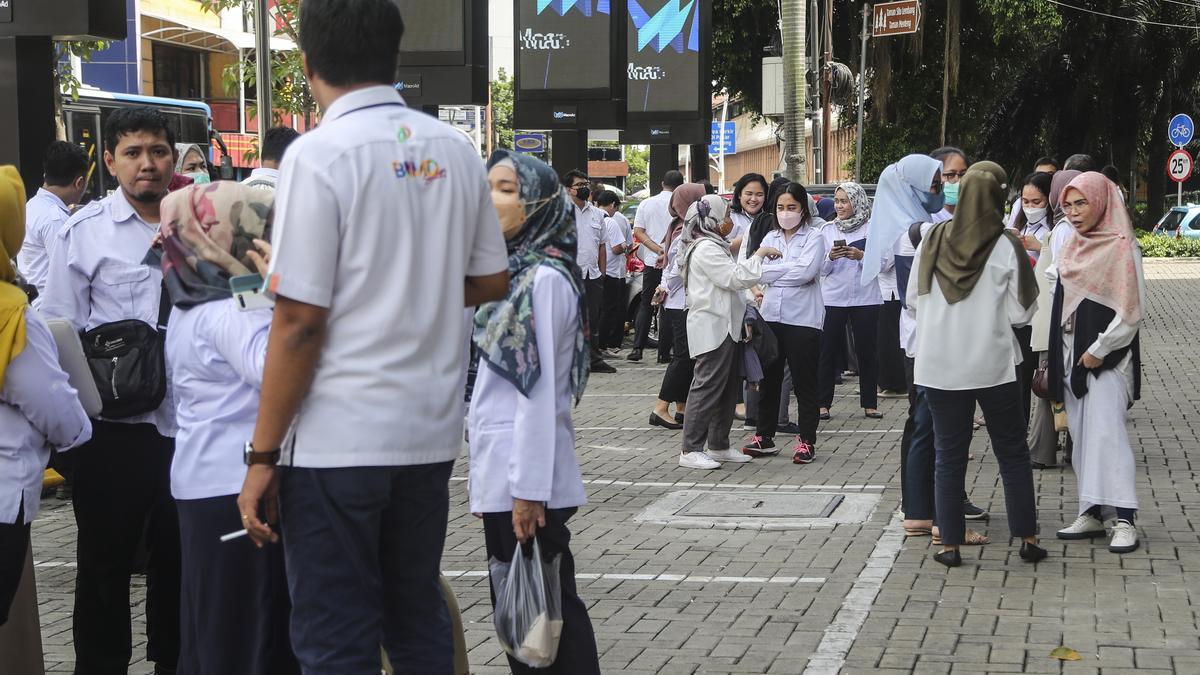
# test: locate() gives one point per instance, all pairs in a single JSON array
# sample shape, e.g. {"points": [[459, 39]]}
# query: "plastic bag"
{"points": [[528, 615]]}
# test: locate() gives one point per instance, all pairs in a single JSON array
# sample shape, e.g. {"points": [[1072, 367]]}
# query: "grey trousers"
{"points": [[712, 398]]}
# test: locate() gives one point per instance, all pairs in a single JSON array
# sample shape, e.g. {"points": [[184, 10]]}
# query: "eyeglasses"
{"points": [[576, 186], [1075, 206]]}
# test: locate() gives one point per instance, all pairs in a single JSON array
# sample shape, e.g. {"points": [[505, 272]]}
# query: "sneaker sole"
{"points": [[701, 468], [981, 516], [1124, 549], [1075, 536], [802, 461], [742, 460], [759, 453]]}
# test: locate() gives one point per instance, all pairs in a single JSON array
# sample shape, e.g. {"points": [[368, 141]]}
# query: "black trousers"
{"points": [[864, 320], [651, 279], [891, 357], [234, 602], [593, 294], [1026, 370], [577, 653], [14, 540], [678, 378], [122, 495], [613, 313], [800, 350]]}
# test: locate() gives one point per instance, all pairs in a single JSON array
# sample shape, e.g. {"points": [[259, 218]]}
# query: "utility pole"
{"points": [[826, 91], [862, 90], [792, 27], [262, 60], [814, 94]]}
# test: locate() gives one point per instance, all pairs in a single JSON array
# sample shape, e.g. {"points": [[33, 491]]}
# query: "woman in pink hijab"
{"points": [[1095, 364]]}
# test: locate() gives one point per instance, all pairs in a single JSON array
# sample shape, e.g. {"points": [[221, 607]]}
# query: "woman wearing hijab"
{"points": [[716, 282], [192, 163], [678, 377], [1095, 361], [971, 286], [234, 600], [534, 353], [795, 311], [39, 413], [848, 300]]}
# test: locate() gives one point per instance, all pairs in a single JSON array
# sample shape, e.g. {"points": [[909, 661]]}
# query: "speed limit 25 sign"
{"points": [[1179, 165]]}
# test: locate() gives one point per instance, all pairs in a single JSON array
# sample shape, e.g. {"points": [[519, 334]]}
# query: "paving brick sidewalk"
{"points": [[776, 592]]}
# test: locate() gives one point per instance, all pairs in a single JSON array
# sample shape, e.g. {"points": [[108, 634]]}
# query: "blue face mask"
{"points": [[932, 202], [951, 192]]}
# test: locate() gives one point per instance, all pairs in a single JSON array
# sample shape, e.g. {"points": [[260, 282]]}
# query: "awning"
{"points": [[180, 31]]}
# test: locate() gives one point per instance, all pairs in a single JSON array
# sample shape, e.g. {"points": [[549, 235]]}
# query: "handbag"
{"points": [[1041, 380], [127, 361]]}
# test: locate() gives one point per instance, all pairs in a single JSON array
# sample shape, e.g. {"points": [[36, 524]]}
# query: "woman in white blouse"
{"points": [[1032, 225], [795, 311], [39, 410], [970, 286], [749, 197], [533, 367]]}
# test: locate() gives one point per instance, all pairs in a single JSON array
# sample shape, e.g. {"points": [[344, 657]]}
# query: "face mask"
{"points": [[583, 193], [950, 190], [789, 220], [199, 177], [932, 202], [512, 217], [1034, 215]]}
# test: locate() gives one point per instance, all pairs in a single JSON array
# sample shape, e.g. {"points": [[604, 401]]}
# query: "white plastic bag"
{"points": [[528, 615]]}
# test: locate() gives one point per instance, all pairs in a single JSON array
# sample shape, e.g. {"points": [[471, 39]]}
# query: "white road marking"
{"points": [[55, 563], [731, 486], [831, 431], [666, 577]]}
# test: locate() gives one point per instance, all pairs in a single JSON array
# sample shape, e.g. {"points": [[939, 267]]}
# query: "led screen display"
{"points": [[432, 26], [563, 45], [664, 55]]}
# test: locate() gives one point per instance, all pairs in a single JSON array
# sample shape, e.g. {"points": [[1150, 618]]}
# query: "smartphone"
{"points": [[248, 292], [840, 243]]}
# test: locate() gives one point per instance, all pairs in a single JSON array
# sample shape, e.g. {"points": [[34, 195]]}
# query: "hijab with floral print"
{"points": [[504, 330], [861, 204]]}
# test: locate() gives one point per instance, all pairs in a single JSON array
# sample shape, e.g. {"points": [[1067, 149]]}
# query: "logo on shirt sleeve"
{"points": [[427, 170]]}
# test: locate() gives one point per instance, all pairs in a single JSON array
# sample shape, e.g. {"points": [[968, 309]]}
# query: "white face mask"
{"points": [[1034, 215]]}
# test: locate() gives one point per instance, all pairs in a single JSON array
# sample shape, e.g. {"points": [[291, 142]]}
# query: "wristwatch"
{"points": [[250, 456]]}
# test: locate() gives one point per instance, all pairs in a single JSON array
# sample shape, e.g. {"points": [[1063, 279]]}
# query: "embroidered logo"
{"points": [[427, 169], [403, 133]]}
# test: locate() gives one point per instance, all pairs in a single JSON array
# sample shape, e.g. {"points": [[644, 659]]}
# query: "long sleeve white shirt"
{"points": [[970, 344], [45, 214], [672, 280], [39, 411], [96, 276], [716, 302], [215, 356], [524, 447], [841, 279], [793, 293]]}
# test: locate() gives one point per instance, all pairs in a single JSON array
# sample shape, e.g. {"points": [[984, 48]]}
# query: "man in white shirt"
{"points": [[64, 168], [384, 232], [274, 145], [650, 225], [97, 276], [618, 239], [591, 256]]}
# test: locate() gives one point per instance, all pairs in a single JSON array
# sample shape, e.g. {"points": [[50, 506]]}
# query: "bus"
{"points": [[84, 117]]}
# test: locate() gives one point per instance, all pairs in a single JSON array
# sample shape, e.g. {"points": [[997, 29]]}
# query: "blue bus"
{"points": [[84, 117]]}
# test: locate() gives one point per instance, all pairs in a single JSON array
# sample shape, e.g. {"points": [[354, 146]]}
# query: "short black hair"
{"points": [[63, 163], [709, 188], [570, 176], [607, 197], [276, 141], [349, 42], [672, 179], [1080, 162], [1110, 172], [946, 150], [133, 119], [1042, 161]]}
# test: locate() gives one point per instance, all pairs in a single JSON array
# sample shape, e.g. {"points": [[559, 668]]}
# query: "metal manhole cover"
{"points": [[743, 505]]}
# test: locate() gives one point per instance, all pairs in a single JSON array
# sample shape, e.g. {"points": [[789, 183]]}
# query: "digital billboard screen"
{"points": [[432, 26], [664, 41], [563, 48]]}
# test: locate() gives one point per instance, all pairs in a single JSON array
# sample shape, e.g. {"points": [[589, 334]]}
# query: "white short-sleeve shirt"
{"points": [[618, 233], [381, 213], [591, 233]]}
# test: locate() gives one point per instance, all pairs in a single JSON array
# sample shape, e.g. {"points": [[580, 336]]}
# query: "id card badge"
{"points": [[249, 292]]}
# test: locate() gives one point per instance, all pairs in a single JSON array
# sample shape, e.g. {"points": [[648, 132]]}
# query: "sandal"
{"points": [[970, 538], [918, 528], [823, 416], [873, 415]]}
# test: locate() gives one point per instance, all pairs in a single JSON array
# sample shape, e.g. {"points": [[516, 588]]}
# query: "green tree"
{"points": [[502, 110], [741, 30], [638, 158], [66, 80]]}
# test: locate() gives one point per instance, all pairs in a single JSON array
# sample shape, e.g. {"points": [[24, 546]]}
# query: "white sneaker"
{"points": [[729, 455], [1124, 537], [1085, 526], [697, 460]]}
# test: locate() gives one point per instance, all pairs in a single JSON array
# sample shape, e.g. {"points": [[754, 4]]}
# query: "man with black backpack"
{"points": [[97, 280]]}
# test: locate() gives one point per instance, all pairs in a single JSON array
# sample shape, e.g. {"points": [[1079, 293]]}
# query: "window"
{"points": [[178, 73], [1171, 221]]}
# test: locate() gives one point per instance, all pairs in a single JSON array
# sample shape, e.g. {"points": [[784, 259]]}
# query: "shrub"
{"points": [[1158, 246]]}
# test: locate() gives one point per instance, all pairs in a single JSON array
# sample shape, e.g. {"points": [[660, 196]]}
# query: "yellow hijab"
{"points": [[12, 298]]}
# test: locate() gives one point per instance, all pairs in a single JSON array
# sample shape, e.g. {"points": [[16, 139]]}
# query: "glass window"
{"points": [[178, 73], [1171, 221]]}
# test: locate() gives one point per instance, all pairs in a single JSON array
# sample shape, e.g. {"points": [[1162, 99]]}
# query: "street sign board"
{"points": [[531, 143], [895, 18], [1179, 165], [729, 145], [1181, 129]]}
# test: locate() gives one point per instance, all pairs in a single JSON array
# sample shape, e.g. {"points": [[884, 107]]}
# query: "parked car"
{"points": [[1182, 222]]}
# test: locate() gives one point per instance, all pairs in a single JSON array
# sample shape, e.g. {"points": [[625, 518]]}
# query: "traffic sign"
{"points": [[1180, 130], [1179, 165], [531, 143], [729, 147], [896, 18]]}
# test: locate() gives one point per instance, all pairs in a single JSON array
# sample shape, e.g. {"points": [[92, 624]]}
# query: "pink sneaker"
{"points": [[760, 447], [805, 453]]}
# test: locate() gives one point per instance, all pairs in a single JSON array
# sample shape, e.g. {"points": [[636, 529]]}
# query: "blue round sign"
{"points": [[1180, 130]]}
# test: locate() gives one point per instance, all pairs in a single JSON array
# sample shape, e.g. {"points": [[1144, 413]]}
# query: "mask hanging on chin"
{"points": [[950, 190]]}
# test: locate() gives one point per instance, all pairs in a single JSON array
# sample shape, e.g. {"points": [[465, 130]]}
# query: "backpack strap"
{"points": [[914, 234]]}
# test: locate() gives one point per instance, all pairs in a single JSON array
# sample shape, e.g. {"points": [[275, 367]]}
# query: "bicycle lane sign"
{"points": [[1180, 130]]}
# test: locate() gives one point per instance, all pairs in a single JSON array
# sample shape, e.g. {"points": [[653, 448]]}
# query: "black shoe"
{"points": [[656, 421], [601, 366], [679, 418], [972, 512], [823, 416], [1032, 552], [1039, 465], [949, 558], [791, 428], [664, 359], [652, 343], [634, 355]]}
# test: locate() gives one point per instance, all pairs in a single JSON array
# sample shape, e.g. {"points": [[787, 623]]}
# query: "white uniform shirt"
{"points": [[381, 213], [45, 214], [524, 447], [741, 224], [591, 233], [263, 178], [654, 216], [969, 344], [39, 411], [793, 295], [96, 276], [841, 279], [715, 295], [672, 280], [619, 234], [215, 354]]}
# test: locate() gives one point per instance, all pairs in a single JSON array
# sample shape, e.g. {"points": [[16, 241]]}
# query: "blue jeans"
{"points": [[363, 548]]}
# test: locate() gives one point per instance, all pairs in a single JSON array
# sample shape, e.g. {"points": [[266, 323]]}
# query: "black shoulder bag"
{"points": [[127, 361]]}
